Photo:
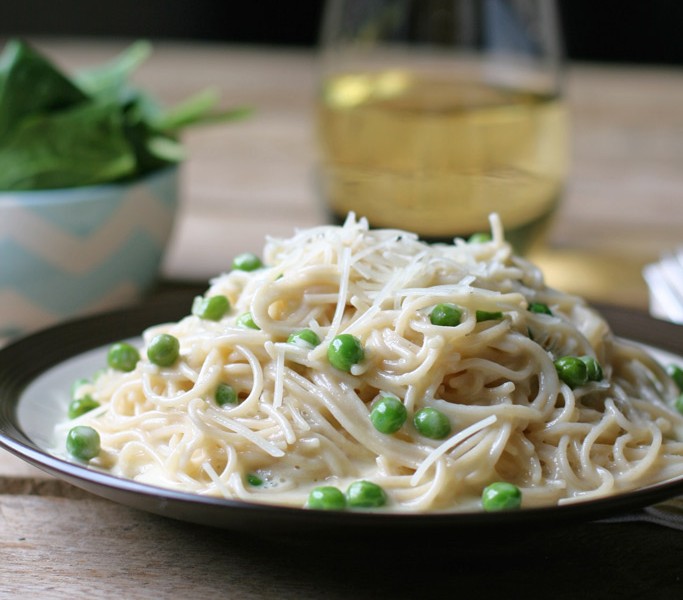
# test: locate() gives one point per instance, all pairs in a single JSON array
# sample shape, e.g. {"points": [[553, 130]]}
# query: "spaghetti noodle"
{"points": [[298, 422]]}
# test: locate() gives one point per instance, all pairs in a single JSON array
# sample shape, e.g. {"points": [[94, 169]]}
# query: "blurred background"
{"points": [[629, 31], [625, 99]]}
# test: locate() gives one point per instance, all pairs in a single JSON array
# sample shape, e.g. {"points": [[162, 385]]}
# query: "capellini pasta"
{"points": [[355, 357]]}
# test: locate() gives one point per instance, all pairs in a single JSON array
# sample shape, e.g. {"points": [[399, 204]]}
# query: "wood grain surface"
{"points": [[242, 181], [245, 180]]}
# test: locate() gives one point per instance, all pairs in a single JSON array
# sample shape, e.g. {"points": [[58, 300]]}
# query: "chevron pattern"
{"points": [[72, 252]]}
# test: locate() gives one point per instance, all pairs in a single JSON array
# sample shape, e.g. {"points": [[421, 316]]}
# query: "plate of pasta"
{"points": [[352, 377]]}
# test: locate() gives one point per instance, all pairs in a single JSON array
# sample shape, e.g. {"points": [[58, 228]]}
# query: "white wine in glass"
{"points": [[431, 115]]}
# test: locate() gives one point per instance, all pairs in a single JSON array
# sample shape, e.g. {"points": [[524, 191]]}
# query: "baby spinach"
{"points": [[94, 127]]}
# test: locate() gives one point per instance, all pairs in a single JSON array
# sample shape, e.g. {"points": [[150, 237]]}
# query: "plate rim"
{"points": [[631, 323]]}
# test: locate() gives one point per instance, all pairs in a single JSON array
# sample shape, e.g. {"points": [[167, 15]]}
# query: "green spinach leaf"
{"points": [[96, 127]]}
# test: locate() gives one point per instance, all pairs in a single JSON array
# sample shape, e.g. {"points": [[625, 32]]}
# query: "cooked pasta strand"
{"points": [[298, 422]]}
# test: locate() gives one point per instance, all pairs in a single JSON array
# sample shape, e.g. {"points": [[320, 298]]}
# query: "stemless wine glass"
{"points": [[432, 114]]}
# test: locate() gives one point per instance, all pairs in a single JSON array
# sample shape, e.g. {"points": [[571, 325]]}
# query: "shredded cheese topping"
{"points": [[301, 423]]}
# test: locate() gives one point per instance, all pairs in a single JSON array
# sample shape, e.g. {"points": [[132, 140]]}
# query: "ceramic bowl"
{"points": [[70, 252]]}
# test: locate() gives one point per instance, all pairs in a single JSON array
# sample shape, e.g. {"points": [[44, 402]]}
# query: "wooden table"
{"points": [[248, 179]]}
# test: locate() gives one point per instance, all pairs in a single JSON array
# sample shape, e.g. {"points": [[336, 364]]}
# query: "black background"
{"points": [[637, 31]]}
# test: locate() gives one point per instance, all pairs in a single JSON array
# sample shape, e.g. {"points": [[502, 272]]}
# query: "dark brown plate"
{"points": [[49, 354]]}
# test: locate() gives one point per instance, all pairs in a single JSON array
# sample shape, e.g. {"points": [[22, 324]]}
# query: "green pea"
{"points": [[306, 338], [365, 494], [572, 370], [345, 351], [679, 404], [246, 320], [432, 423], [501, 496], [445, 315], [225, 394], [122, 357], [540, 308], [246, 261], [82, 405], [388, 414], [326, 497], [163, 350], [593, 368], [212, 308], [254, 480], [479, 238], [484, 315], [83, 442], [676, 373]]}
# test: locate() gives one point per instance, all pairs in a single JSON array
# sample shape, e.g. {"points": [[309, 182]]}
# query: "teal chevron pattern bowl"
{"points": [[70, 252]]}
